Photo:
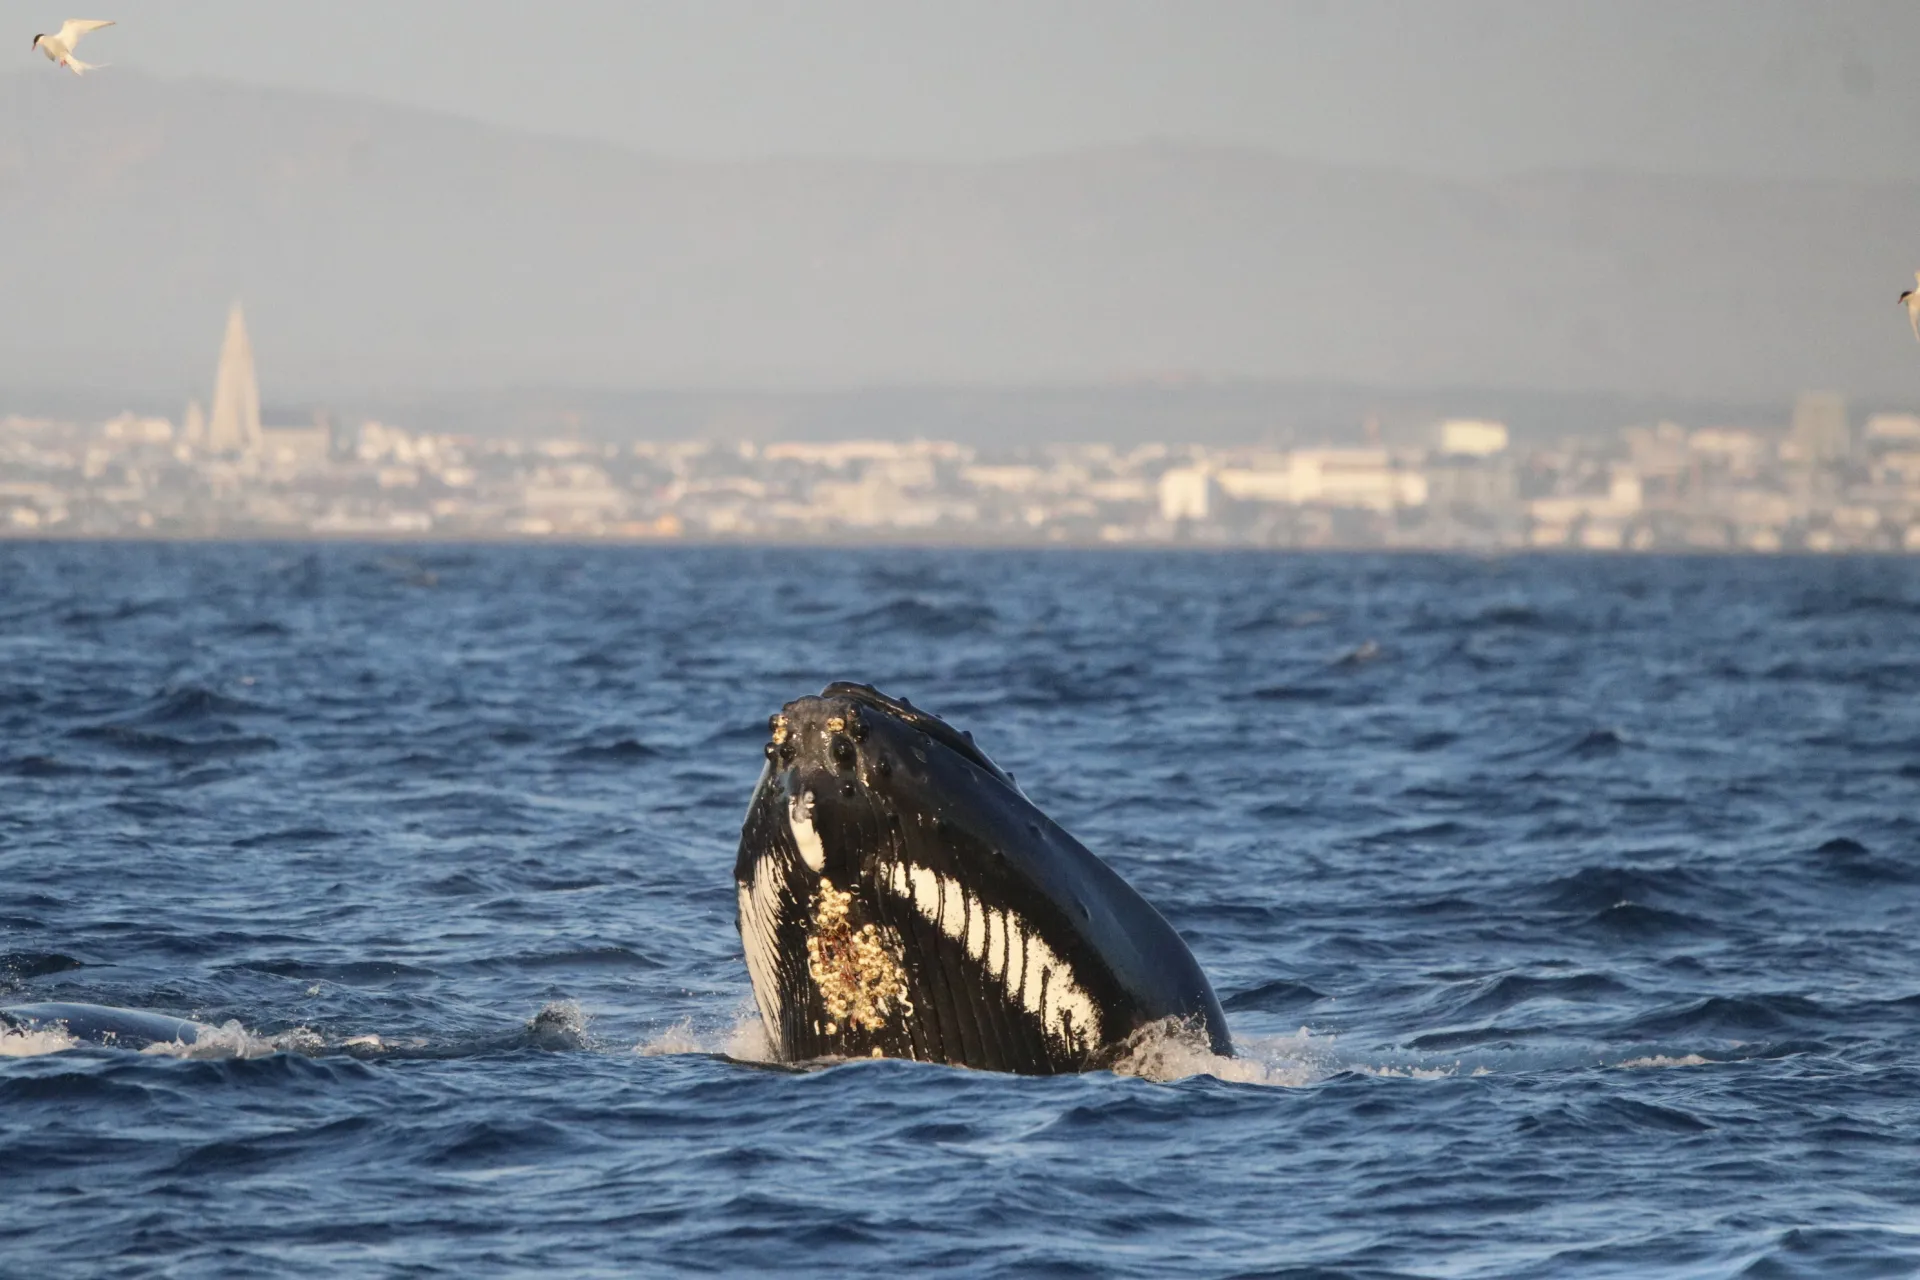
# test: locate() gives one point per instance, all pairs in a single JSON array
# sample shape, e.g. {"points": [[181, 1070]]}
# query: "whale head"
{"points": [[900, 897]]}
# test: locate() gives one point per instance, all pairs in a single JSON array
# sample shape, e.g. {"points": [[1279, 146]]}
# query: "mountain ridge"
{"points": [[384, 246]]}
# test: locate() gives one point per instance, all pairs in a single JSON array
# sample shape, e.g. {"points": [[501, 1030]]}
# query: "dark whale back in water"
{"points": [[900, 897], [99, 1024]]}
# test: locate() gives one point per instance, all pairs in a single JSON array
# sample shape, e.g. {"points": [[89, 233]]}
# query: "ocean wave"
{"points": [[1591, 892], [1277, 996], [1511, 989], [192, 704], [1597, 888], [914, 616]]}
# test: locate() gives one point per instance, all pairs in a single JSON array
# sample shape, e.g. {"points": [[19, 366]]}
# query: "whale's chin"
{"points": [[900, 897]]}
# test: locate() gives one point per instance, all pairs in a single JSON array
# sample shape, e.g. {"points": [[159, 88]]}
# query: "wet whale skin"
{"points": [[900, 897]]}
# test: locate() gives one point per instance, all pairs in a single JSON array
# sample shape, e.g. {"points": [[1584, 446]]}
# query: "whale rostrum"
{"points": [[900, 897]]}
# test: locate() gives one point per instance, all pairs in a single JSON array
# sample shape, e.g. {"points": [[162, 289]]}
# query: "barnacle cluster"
{"points": [[857, 971]]}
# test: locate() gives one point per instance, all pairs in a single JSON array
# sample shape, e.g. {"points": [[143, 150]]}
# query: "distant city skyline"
{"points": [[1820, 486]]}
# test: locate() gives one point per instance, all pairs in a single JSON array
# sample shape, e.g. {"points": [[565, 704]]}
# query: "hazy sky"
{"points": [[1818, 88]]}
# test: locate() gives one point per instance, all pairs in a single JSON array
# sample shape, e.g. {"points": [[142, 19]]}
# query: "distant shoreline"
{"points": [[577, 541]]}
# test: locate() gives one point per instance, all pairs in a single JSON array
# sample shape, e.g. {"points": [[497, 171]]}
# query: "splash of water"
{"points": [[676, 1039], [744, 1039], [16, 1043], [559, 1026], [1172, 1049], [233, 1040], [1163, 1051]]}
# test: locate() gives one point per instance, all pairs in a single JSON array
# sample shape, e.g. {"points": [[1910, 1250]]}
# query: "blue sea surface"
{"points": [[1564, 910]]}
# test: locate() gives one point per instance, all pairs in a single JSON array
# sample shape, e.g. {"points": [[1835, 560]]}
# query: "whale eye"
{"points": [[883, 766], [842, 751], [786, 751]]}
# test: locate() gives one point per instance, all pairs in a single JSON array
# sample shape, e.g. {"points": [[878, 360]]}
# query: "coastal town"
{"points": [[1817, 481]]}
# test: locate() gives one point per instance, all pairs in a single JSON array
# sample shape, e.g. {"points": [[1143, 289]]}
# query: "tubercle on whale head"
{"points": [[830, 737], [869, 758], [864, 738], [810, 795]]}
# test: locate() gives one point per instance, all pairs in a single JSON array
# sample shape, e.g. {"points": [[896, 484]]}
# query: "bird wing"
{"points": [[73, 28], [1916, 277]]}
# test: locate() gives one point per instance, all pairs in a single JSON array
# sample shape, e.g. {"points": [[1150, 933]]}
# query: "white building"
{"points": [[1820, 428], [1185, 494], [1364, 478], [297, 448], [1740, 451], [129, 429], [1620, 503], [1894, 428], [1473, 437]]}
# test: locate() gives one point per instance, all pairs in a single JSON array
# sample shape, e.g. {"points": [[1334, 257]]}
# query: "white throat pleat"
{"points": [[1032, 975], [761, 906]]}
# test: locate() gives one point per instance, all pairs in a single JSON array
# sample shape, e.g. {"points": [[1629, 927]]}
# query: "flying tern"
{"points": [[1912, 298], [59, 46]]}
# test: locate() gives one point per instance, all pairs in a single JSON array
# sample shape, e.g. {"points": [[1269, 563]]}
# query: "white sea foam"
{"points": [[232, 1040], [1164, 1051], [33, 1044], [1446, 1071], [1662, 1060], [1170, 1050]]}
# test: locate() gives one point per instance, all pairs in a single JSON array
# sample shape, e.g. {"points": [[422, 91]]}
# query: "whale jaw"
{"points": [[899, 897]]}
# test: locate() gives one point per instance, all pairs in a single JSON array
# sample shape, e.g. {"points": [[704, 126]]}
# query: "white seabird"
{"points": [[1912, 298], [59, 46]]}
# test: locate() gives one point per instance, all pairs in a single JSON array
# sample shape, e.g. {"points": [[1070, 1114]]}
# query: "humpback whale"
{"points": [[558, 1026], [102, 1025], [900, 897]]}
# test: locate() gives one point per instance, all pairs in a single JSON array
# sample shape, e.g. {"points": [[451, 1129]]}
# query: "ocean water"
{"points": [[1564, 910]]}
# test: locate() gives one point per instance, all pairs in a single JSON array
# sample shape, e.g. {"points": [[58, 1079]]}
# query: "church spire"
{"points": [[235, 426]]}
